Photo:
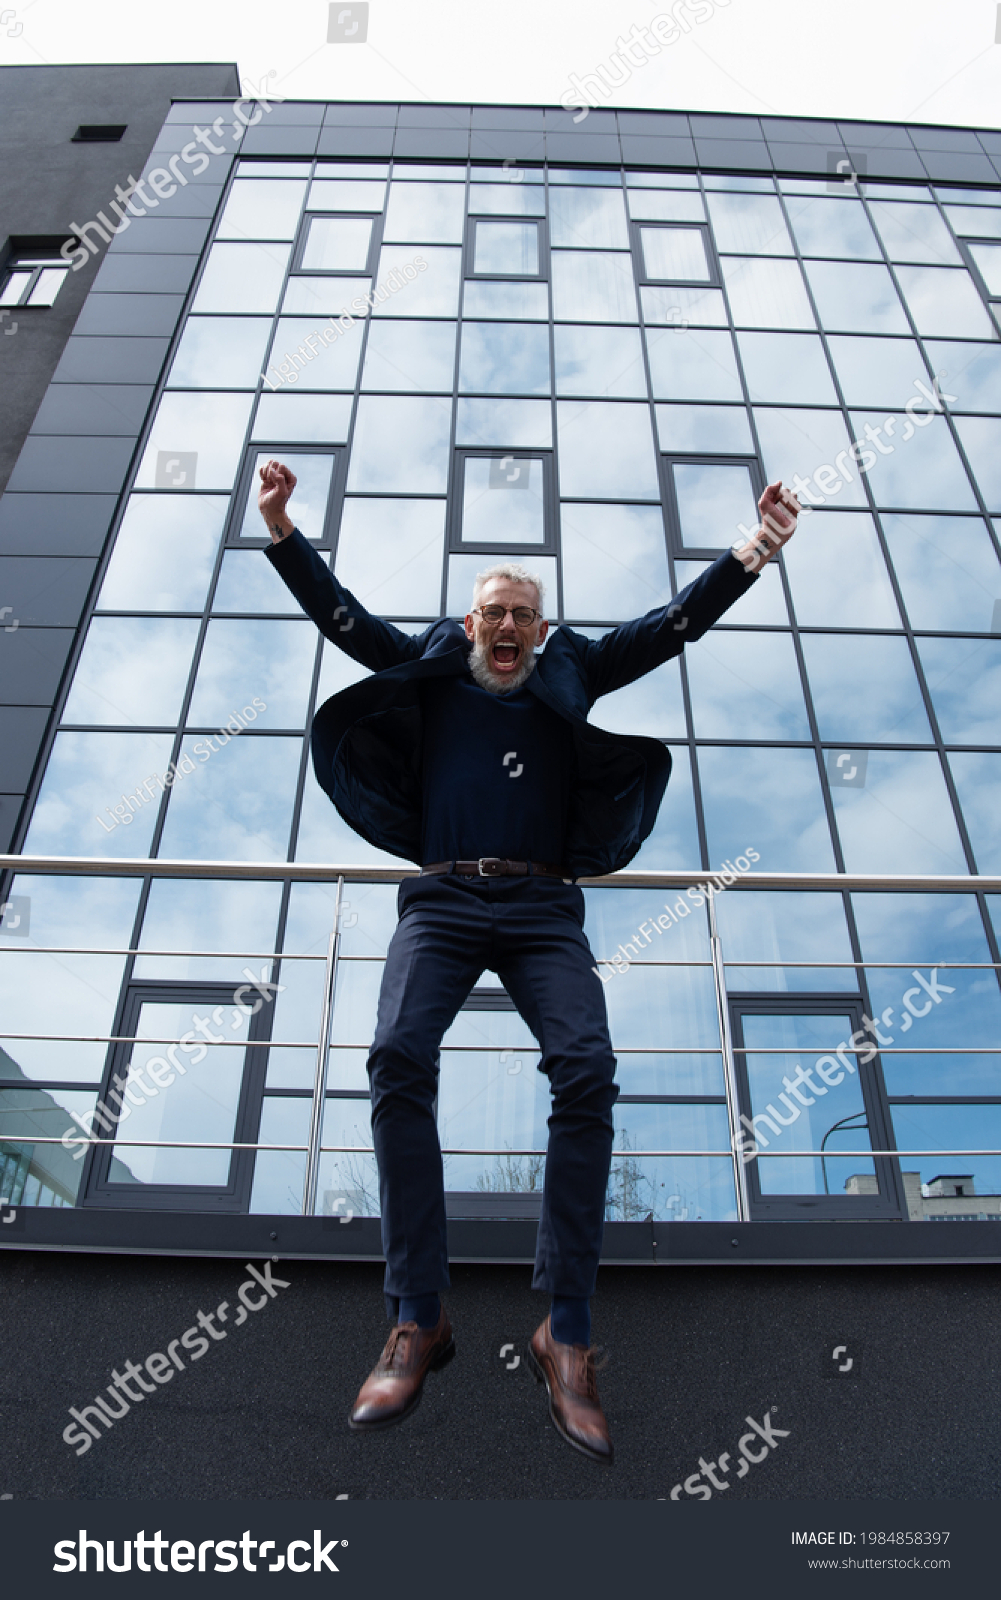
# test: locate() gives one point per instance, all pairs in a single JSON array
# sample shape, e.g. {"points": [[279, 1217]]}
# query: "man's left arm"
{"points": [[635, 648]]}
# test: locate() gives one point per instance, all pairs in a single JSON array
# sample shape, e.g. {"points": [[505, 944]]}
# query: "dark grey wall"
{"points": [[83, 430]]}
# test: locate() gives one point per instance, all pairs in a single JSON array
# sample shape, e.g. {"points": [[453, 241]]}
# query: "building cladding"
{"points": [[481, 333]]}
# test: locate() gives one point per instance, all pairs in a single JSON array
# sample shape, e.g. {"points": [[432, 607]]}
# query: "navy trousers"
{"points": [[530, 932]]}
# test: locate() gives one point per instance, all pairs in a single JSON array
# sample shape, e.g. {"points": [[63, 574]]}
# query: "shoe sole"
{"points": [[539, 1375], [400, 1416]]}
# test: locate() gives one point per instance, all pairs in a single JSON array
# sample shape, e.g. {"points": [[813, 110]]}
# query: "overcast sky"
{"points": [[899, 60]]}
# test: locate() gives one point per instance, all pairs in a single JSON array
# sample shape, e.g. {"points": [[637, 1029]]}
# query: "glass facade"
{"points": [[595, 371]]}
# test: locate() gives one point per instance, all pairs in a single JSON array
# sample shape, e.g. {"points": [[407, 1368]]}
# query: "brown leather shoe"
{"points": [[394, 1386], [567, 1370]]}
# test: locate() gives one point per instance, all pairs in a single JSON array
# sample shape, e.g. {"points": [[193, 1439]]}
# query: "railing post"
{"points": [[322, 1054], [729, 1070]]}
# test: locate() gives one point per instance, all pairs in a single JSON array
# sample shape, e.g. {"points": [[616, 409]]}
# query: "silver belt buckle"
{"points": [[484, 861]]}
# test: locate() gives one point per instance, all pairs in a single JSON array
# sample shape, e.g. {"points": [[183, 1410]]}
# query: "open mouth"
{"points": [[504, 657]]}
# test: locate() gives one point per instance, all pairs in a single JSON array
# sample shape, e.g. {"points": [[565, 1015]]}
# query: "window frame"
{"points": [[643, 278], [297, 269], [667, 460], [232, 540], [469, 250], [455, 544]]}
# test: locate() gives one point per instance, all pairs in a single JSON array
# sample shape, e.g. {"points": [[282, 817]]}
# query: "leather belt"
{"points": [[494, 867]]}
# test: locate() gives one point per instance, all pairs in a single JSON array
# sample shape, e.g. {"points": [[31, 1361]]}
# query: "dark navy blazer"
{"points": [[367, 740]]}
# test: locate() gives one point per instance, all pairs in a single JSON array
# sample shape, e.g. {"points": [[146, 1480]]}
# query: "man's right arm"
{"points": [[338, 614]]}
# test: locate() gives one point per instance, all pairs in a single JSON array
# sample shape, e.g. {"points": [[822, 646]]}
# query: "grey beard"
{"points": [[484, 675]]}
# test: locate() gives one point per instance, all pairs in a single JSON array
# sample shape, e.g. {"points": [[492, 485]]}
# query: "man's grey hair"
{"points": [[515, 572]]}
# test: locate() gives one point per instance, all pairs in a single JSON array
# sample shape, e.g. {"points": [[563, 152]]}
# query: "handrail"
{"points": [[312, 872], [447, 1150]]}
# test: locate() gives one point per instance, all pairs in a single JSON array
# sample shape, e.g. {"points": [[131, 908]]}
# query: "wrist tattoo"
{"points": [[278, 532]]}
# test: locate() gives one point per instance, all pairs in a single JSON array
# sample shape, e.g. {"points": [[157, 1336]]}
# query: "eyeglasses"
{"points": [[523, 616]]}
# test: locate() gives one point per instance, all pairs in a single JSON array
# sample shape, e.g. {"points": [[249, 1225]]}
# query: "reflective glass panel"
{"points": [[837, 573], [262, 208], [970, 372], [808, 1122], [948, 1128], [675, 253], [333, 194], [164, 553], [713, 501], [242, 277], [856, 296], [503, 300], [337, 244], [614, 562], [665, 205], [927, 474], [765, 293], [304, 418], [323, 836], [948, 571], [507, 247], [977, 775], [503, 501], [914, 233], [901, 818], [864, 688], [307, 358], [133, 671], [244, 795], [922, 930], [769, 799], [196, 441], [674, 842], [200, 914], [434, 293], [84, 807], [504, 358], [32, 1173], [591, 287], [763, 604], [739, 681], [981, 439], [507, 199], [514, 424], [410, 356], [326, 297], [279, 1174], [389, 554], [964, 681], [814, 444], [312, 490], [784, 926], [878, 372], [944, 301], [693, 365], [975, 221], [832, 227], [599, 361], [426, 213], [589, 219], [220, 353], [704, 430], [418, 461], [200, 1102], [749, 223], [678, 306], [248, 584], [606, 450], [790, 367], [72, 993], [273, 660]]}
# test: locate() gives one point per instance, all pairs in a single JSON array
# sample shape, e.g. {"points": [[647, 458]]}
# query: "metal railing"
{"points": [[339, 875]]}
